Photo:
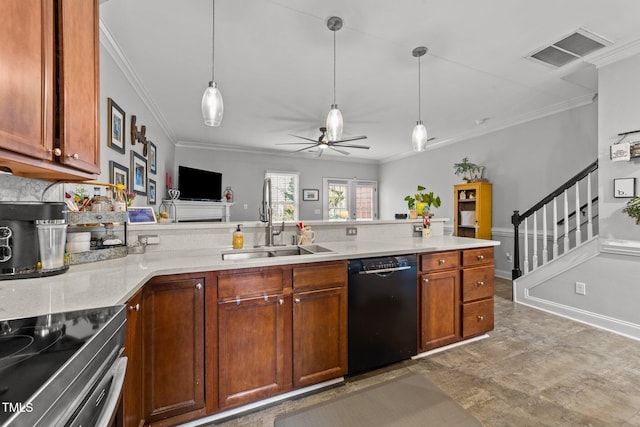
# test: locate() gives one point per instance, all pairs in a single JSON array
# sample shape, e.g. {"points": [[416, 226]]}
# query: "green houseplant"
{"points": [[424, 200], [464, 168], [633, 209], [411, 204]]}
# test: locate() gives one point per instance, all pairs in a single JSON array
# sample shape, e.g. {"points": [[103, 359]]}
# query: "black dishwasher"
{"points": [[383, 311]]}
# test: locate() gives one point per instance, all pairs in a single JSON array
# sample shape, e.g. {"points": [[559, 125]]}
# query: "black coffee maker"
{"points": [[25, 228]]}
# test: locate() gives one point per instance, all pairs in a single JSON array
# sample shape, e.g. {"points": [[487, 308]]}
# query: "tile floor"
{"points": [[535, 369]]}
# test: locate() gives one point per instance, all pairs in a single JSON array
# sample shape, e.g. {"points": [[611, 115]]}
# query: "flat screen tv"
{"points": [[198, 184]]}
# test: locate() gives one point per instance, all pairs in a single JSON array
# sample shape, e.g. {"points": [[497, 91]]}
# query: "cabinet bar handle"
{"points": [[198, 286], [296, 300], [480, 257], [480, 318], [134, 307]]}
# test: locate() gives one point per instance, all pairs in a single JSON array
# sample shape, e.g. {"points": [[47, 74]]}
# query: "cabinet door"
{"points": [[79, 80], [319, 335], [133, 350], [173, 346], [254, 347], [439, 309], [26, 80]]}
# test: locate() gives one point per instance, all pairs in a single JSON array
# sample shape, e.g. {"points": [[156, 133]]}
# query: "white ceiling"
{"points": [[274, 65]]}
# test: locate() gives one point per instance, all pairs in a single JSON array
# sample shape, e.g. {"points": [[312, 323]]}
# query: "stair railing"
{"points": [[560, 196]]}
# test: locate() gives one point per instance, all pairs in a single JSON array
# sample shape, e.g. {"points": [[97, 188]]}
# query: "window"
{"points": [[284, 195], [350, 199]]}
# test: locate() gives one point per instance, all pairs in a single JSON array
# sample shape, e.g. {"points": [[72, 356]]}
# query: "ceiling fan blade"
{"points": [[304, 137], [351, 146], [297, 143], [333, 147], [302, 149], [351, 138]]}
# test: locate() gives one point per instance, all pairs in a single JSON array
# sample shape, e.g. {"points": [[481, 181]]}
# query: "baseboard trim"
{"points": [[450, 346]]}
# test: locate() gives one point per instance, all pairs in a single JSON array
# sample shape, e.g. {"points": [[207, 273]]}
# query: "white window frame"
{"points": [[278, 205], [352, 184]]}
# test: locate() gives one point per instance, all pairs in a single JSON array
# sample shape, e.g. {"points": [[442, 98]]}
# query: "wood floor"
{"points": [[535, 369]]}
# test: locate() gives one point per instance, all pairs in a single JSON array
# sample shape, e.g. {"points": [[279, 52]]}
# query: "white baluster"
{"points": [[545, 250], [526, 247], [589, 209], [535, 241], [555, 227], [578, 231], [566, 221]]}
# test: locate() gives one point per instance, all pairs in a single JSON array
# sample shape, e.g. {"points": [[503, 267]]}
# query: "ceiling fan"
{"points": [[323, 143]]}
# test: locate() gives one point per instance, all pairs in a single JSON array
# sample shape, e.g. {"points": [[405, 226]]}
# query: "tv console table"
{"points": [[193, 210]]}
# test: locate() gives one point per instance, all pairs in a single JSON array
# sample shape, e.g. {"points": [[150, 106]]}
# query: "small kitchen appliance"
{"points": [[32, 239]]}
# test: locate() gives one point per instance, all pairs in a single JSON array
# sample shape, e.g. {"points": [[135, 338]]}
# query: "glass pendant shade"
{"points": [[334, 124], [212, 105], [419, 137]]}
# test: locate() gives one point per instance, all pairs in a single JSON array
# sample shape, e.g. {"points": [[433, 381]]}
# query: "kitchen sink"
{"points": [[273, 251]]}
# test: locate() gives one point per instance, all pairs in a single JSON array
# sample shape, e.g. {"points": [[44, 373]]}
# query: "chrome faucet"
{"points": [[266, 213]]}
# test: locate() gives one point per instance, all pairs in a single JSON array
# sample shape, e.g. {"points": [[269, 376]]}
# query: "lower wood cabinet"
{"points": [[439, 309], [132, 396]]}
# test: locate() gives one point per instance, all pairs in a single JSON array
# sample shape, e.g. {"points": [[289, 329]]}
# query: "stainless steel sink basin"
{"points": [[273, 251]]}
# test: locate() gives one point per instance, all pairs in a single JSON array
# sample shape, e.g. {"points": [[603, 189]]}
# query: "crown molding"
{"points": [[503, 124], [615, 53], [113, 49]]}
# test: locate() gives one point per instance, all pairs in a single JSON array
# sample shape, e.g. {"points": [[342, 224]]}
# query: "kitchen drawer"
{"points": [[439, 261], [477, 317], [249, 282], [320, 275], [477, 283], [471, 257]]}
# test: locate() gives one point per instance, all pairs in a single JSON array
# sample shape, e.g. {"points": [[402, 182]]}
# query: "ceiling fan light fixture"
{"points": [[335, 123], [419, 136], [212, 105]]}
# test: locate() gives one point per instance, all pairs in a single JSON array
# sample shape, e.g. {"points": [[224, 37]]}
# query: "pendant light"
{"points": [[212, 105], [334, 118], [419, 137]]}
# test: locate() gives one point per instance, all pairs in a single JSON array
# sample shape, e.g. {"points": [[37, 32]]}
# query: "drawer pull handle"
{"points": [[198, 286], [480, 257], [266, 298], [480, 283], [480, 318], [425, 280], [134, 307], [74, 156], [56, 151], [296, 300], [441, 261]]}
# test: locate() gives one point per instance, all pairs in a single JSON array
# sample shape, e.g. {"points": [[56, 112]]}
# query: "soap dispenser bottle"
{"points": [[238, 238]]}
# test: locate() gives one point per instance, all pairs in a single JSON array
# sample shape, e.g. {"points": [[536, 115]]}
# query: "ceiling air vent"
{"points": [[574, 46]]}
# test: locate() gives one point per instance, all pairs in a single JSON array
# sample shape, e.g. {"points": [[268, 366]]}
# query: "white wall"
{"points": [[244, 172], [524, 162]]}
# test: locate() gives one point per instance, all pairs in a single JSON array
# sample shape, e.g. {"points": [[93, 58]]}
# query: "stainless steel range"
{"points": [[62, 369]]}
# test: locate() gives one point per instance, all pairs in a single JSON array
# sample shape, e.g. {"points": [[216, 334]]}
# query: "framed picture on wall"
{"points": [[118, 174], [151, 193], [624, 187], [115, 127], [138, 173], [310, 195], [153, 158]]}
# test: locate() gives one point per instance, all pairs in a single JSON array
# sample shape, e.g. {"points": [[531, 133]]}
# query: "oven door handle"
{"points": [[110, 406]]}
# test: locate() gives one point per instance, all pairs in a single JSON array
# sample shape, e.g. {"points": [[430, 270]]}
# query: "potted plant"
{"points": [[633, 209], [411, 204], [464, 168], [424, 200]]}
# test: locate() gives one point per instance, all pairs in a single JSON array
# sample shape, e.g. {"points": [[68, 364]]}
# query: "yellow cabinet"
{"points": [[472, 210]]}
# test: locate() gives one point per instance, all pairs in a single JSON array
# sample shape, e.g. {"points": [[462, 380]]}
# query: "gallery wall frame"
{"points": [[118, 174], [624, 188], [153, 158], [310, 195], [138, 173], [116, 126], [151, 192]]}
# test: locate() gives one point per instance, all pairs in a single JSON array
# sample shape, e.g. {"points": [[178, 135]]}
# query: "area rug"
{"points": [[407, 401]]}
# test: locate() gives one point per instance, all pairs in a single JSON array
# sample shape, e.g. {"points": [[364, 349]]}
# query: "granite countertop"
{"points": [[113, 282]]}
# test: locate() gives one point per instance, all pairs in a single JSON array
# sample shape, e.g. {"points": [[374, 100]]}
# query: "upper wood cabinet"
{"points": [[472, 210], [49, 121]]}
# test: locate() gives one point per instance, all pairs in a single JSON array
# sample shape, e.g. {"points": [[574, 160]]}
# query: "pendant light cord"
{"points": [[334, 66], [213, 39], [419, 90]]}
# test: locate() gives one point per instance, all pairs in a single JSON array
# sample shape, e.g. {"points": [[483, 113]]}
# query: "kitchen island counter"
{"points": [[113, 282]]}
